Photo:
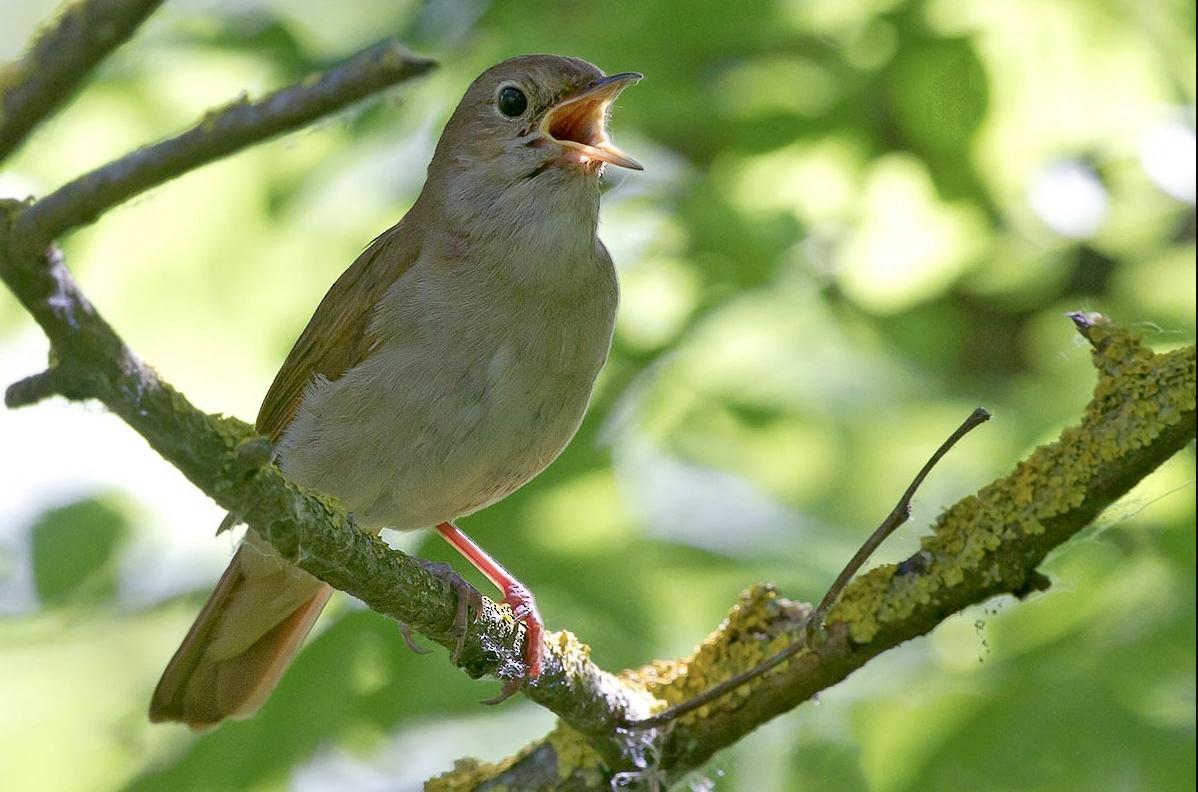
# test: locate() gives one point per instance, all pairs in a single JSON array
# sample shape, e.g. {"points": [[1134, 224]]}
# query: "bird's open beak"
{"points": [[579, 122]]}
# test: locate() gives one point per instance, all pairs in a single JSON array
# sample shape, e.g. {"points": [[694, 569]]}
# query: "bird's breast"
{"points": [[472, 389]]}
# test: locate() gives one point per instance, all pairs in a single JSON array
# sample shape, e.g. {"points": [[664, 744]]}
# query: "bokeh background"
{"points": [[857, 221]]}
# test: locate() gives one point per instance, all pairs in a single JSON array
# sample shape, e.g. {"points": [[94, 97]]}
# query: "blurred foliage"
{"points": [[74, 550], [858, 220]]}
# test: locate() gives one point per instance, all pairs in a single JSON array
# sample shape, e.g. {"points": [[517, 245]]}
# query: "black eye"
{"points": [[511, 101]]}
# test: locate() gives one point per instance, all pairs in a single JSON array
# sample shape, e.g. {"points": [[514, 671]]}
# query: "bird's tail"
{"points": [[242, 641]]}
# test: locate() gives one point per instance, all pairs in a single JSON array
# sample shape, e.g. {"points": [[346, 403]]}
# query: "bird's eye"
{"points": [[511, 101]]}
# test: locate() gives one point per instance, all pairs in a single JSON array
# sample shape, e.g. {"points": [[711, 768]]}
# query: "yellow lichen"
{"points": [[469, 773], [1138, 396], [575, 755], [575, 759], [574, 653], [466, 775], [759, 626]]}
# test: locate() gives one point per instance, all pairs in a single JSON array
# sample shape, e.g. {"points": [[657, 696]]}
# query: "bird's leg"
{"points": [[468, 599], [515, 594]]}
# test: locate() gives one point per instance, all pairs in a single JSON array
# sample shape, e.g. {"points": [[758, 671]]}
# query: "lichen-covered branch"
{"points": [[987, 544], [218, 134], [59, 59]]}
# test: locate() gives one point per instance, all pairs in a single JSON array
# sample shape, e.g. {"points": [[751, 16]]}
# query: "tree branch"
{"points": [[33, 88], [218, 134], [220, 456], [989, 543], [815, 620]]}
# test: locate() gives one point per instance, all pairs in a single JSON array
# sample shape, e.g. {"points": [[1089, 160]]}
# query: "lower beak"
{"points": [[579, 122]]}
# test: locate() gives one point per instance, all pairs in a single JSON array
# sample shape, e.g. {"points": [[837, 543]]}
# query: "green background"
{"points": [[857, 221]]}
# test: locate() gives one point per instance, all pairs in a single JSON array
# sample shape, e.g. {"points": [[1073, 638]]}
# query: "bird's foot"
{"points": [[515, 595], [510, 688], [524, 607], [410, 642], [468, 596]]}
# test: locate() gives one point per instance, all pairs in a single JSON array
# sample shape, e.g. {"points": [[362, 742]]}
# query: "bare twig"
{"points": [[219, 134], [899, 515], [33, 88]]}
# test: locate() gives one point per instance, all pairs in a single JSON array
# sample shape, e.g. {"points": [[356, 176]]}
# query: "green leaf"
{"points": [[75, 551]]}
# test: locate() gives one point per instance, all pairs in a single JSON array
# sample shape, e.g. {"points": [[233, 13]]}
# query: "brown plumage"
{"points": [[337, 337], [200, 687]]}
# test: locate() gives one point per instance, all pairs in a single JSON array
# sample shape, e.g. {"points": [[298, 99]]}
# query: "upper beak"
{"points": [[580, 121]]}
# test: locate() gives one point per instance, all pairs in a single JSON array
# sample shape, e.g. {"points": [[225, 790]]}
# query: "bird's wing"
{"points": [[338, 335]]}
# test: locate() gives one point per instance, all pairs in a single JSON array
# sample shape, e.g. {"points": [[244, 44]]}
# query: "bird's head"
{"points": [[534, 116]]}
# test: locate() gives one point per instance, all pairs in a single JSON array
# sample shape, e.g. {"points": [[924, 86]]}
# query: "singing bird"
{"points": [[448, 366]]}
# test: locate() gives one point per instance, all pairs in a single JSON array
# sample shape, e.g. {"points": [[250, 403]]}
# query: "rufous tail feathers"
{"points": [[242, 641]]}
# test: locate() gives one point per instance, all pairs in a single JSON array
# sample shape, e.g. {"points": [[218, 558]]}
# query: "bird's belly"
{"points": [[407, 440]]}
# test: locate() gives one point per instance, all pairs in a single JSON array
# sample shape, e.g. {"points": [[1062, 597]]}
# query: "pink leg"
{"points": [[515, 594]]}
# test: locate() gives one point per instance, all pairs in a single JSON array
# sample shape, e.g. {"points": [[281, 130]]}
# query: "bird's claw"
{"points": [[510, 688], [524, 608], [468, 596], [416, 648]]}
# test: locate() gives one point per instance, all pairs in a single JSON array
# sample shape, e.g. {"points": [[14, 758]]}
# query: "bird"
{"points": [[446, 367]]}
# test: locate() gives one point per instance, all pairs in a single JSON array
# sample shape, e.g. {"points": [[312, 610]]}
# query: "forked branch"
{"points": [[987, 544]]}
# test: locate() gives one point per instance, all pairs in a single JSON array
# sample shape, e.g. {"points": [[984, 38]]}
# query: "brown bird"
{"points": [[443, 370]]}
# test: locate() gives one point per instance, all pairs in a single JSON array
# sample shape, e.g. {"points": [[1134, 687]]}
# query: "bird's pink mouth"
{"points": [[578, 123]]}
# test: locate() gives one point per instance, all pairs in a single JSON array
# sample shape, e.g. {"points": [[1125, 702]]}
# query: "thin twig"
{"points": [[711, 694], [218, 134], [33, 88], [899, 515]]}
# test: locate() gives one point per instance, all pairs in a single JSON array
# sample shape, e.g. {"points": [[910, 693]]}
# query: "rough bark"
{"points": [[987, 544], [59, 59]]}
